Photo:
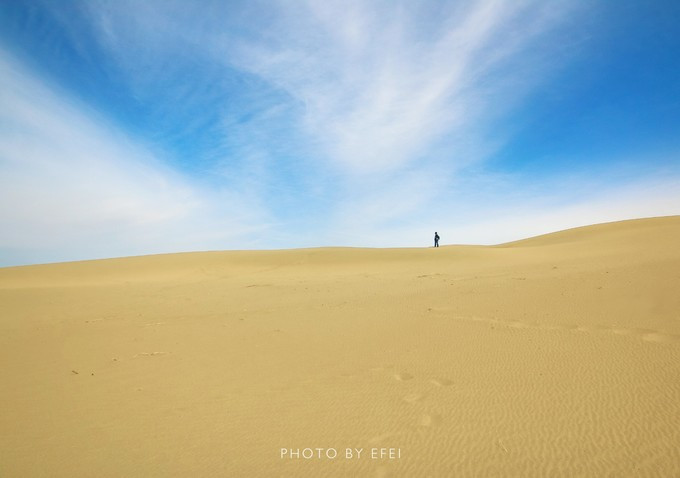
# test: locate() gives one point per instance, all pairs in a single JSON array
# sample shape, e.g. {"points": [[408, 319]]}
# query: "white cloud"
{"points": [[378, 86], [71, 187], [384, 83]]}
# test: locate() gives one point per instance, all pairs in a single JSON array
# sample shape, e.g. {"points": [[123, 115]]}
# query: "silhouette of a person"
{"points": [[436, 239]]}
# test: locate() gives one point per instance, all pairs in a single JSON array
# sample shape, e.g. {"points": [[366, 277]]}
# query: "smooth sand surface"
{"points": [[554, 356]]}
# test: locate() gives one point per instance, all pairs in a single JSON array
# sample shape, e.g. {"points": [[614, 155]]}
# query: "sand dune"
{"points": [[554, 356]]}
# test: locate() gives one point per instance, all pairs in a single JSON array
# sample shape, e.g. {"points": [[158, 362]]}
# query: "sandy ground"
{"points": [[554, 356]]}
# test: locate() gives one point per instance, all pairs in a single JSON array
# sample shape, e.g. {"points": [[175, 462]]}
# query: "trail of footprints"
{"points": [[426, 419], [433, 419], [647, 335]]}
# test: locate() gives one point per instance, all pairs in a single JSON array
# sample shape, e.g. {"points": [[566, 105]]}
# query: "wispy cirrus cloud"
{"points": [[369, 86], [385, 85]]}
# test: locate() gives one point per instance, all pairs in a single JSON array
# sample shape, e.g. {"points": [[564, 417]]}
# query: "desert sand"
{"points": [[553, 356]]}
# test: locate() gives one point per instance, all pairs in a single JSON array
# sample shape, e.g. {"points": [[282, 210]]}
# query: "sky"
{"points": [[140, 127]]}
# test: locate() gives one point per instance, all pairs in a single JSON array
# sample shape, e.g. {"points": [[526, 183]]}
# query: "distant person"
{"points": [[436, 239]]}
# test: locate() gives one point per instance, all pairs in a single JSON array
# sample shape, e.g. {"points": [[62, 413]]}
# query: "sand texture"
{"points": [[554, 356]]}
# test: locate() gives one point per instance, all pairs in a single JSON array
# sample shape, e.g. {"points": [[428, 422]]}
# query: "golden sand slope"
{"points": [[553, 356]]}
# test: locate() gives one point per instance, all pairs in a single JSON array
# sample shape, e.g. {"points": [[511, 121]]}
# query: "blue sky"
{"points": [[132, 127]]}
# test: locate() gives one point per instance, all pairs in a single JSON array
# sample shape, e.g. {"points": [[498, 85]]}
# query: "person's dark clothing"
{"points": [[436, 240]]}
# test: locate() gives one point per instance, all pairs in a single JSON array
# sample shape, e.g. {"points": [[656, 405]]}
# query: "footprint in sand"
{"points": [[441, 382], [647, 335], [430, 420], [150, 354], [403, 376], [553, 327], [623, 331], [413, 397], [659, 337]]}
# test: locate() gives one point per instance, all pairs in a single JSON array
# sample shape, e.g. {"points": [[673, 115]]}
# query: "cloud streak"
{"points": [[71, 187], [367, 87], [381, 90]]}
